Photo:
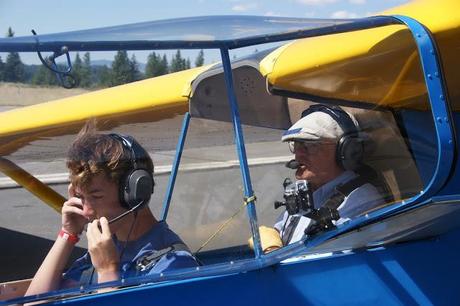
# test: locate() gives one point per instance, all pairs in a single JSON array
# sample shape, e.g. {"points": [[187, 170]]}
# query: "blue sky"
{"points": [[59, 15]]}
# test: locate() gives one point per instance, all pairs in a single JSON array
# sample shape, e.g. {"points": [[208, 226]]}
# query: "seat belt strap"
{"points": [[290, 229], [149, 260], [342, 191], [87, 276]]}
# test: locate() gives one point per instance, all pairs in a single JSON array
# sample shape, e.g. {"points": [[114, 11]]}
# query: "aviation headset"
{"points": [[349, 150], [136, 185]]}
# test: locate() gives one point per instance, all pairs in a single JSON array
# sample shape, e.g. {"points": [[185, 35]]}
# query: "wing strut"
{"points": [[32, 184]]}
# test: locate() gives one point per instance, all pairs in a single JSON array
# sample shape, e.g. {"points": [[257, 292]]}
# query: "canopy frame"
{"points": [[440, 111]]}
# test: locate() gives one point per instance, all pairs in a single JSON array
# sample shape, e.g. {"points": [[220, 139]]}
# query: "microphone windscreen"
{"points": [[292, 164]]}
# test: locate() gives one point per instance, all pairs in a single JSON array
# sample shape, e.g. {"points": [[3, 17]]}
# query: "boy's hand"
{"points": [[101, 247]]}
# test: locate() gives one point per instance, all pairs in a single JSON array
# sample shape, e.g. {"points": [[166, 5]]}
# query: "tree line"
{"points": [[124, 69]]}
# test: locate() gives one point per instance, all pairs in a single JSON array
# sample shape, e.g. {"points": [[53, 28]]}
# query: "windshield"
{"points": [[388, 153], [206, 29]]}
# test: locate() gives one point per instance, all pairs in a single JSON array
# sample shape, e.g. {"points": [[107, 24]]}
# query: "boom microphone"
{"points": [[292, 164], [126, 212]]}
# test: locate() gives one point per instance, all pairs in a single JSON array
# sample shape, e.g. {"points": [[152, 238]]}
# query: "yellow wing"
{"points": [[150, 99], [379, 65], [146, 100]]}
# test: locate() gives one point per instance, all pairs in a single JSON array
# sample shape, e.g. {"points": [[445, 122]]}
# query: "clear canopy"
{"points": [[193, 32]]}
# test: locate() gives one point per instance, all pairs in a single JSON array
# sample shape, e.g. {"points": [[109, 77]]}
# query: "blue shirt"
{"points": [[159, 237]]}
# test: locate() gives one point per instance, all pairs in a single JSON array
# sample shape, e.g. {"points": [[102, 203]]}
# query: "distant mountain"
{"points": [[109, 64]]}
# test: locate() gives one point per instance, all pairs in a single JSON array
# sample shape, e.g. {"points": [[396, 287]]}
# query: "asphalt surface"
{"points": [[208, 189]]}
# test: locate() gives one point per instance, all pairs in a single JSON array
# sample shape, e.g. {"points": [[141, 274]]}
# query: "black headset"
{"points": [[136, 185], [349, 150]]}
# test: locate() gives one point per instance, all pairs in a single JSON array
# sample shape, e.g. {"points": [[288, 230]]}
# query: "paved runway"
{"points": [[203, 198]]}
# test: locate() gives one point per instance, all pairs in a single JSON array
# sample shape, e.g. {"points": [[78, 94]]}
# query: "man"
{"points": [[111, 179], [328, 149]]}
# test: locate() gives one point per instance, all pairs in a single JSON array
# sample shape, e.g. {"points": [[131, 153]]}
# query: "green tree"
{"points": [[177, 62], [44, 76], [156, 65], [135, 73], [199, 61], [153, 62], [14, 68], [187, 64], [164, 65], [2, 68], [102, 76], [121, 69], [77, 67], [86, 78]]}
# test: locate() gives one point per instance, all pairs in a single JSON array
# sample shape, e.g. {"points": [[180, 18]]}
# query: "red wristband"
{"points": [[68, 236]]}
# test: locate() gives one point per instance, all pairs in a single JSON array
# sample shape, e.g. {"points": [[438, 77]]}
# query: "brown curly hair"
{"points": [[92, 153]]}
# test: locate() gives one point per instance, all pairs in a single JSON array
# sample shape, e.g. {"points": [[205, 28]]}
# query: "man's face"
{"points": [[100, 198], [317, 162]]}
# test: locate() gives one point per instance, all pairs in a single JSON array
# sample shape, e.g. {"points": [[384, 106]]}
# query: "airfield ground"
{"points": [[28, 226]]}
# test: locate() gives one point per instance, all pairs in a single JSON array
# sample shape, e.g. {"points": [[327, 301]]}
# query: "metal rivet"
{"points": [[421, 192], [429, 76], [436, 74], [441, 97], [161, 274], [432, 51], [418, 35], [403, 202], [439, 119], [450, 141], [231, 262], [198, 268]]}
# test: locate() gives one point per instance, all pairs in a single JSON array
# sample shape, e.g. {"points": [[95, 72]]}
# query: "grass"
{"points": [[17, 94]]}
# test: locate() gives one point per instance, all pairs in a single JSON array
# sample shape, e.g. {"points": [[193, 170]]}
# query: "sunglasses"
{"points": [[308, 147]]}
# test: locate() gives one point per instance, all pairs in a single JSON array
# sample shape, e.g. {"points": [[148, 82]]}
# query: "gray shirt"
{"points": [[358, 201]]}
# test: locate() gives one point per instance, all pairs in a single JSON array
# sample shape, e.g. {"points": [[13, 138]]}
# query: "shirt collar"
{"points": [[325, 192]]}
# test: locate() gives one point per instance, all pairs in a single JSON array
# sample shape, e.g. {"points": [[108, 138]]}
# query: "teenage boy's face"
{"points": [[100, 198]]}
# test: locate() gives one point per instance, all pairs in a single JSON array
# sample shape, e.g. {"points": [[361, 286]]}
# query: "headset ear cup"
{"points": [[123, 192], [138, 188], [350, 152]]}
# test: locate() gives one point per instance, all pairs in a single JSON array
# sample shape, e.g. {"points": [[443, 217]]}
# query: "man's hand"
{"points": [[73, 218], [269, 238], [101, 247]]}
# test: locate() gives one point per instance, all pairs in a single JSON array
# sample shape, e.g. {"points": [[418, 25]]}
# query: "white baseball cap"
{"points": [[314, 127]]}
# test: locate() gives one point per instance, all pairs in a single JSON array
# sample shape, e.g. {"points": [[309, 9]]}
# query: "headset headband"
{"points": [[137, 153], [338, 114]]}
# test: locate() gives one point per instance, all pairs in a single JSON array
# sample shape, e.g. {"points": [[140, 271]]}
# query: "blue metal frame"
{"points": [[442, 120], [445, 137], [444, 131], [175, 167], [241, 150], [306, 271], [440, 109]]}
